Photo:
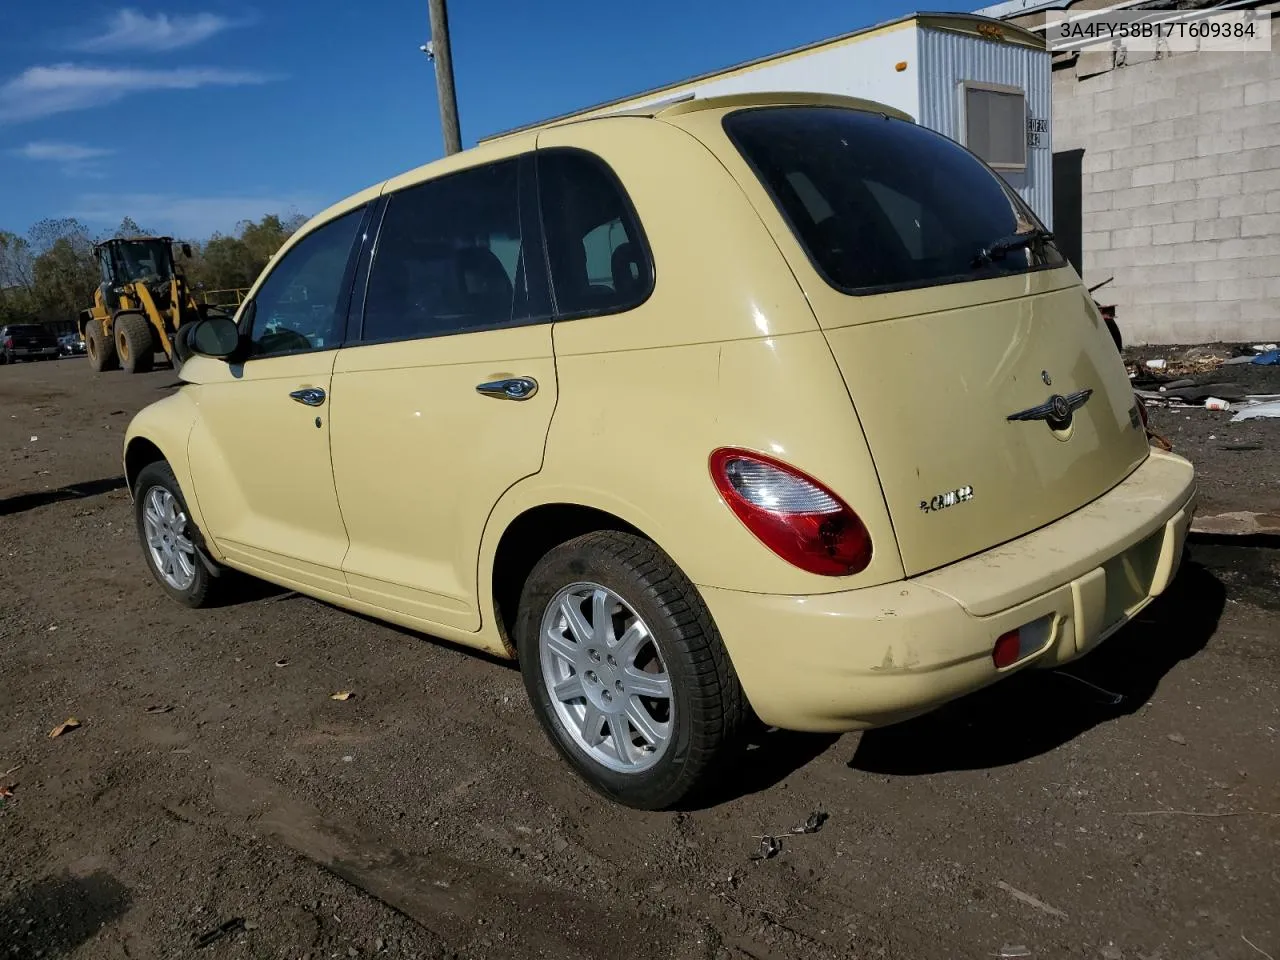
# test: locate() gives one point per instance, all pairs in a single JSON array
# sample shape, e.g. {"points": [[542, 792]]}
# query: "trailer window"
{"points": [[995, 125], [881, 204]]}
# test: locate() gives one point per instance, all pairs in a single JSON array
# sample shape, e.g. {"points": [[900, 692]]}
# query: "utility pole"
{"points": [[437, 51]]}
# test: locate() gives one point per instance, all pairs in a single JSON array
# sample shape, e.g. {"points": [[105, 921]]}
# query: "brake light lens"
{"points": [[9, 343], [791, 513]]}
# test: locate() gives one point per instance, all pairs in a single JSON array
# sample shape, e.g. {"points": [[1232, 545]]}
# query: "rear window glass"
{"points": [[881, 204], [27, 330]]}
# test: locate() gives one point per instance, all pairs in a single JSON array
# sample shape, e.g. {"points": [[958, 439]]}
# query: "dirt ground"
{"points": [[215, 790]]}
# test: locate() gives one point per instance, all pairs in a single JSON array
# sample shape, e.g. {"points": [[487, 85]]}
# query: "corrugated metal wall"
{"points": [[947, 58], [862, 67]]}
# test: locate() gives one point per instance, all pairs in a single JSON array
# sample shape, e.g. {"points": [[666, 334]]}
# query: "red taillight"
{"points": [[791, 513], [9, 343], [1008, 649]]}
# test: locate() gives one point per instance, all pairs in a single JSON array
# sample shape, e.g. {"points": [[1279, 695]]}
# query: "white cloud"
{"points": [[74, 159], [60, 152], [130, 30], [182, 216], [41, 91]]}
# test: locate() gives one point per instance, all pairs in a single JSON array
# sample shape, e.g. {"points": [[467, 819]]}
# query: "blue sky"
{"points": [[192, 116]]}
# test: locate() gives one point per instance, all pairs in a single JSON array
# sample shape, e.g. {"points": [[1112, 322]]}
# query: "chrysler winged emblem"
{"points": [[1057, 410]]}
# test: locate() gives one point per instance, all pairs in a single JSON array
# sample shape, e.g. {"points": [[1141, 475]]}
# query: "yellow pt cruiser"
{"points": [[774, 406]]}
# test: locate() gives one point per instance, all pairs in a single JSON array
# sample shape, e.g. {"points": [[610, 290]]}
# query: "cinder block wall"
{"points": [[1181, 190]]}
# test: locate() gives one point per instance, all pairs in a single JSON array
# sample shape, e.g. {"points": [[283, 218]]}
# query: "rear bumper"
{"points": [[865, 658]]}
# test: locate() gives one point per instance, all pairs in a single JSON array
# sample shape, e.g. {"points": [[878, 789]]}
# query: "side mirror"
{"points": [[215, 337], [186, 250]]}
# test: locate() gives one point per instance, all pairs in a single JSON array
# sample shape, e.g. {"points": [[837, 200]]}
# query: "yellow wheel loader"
{"points": [[140, 305]]}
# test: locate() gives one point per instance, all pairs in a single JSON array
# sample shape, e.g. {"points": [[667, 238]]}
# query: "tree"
{"points": [[129, 229], [17, 303]]}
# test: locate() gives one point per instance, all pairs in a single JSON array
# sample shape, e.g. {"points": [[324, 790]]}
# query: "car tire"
{"points": [[135, 346], [100, 348], [191, 583], [705, 709]]}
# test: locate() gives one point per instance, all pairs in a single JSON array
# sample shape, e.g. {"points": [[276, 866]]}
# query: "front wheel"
{"points": [[626, 671], [169, 540], [100, 347], [135, 344]]}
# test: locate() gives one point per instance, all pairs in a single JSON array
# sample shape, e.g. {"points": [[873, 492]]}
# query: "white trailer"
{"points": [[982, 82]]}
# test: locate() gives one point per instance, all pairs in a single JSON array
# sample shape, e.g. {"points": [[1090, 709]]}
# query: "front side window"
{"points": [[300, 305], [599, 259], [881, 204], [451, 258]]}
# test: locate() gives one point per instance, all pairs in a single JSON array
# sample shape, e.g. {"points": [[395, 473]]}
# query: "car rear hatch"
{"points": [[991, 395]]}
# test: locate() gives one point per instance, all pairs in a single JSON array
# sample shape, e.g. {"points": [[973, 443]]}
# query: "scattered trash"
{"points": [[1215, 403], [1156, 364], [1268, 359], [1030, 901], [1178, 738], [1240, 446], [813, 824], [348, 758], [160, 709], [234, 925], [1010, 950], [1265, 347], [1108, 697], [1213, 436], [1175, 384], [67, 725], [1234, 361], [1199, 392], [6, 792], [34, 439], [341, 695], [770, 847], [282, 662], [1269, 409]]}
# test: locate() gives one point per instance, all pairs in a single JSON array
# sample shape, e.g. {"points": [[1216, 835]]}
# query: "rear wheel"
{"points": [[134, 343], [100, 348], [626, 670]]}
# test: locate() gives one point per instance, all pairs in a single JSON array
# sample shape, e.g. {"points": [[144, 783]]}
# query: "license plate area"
{"points": [[1129, 577]]}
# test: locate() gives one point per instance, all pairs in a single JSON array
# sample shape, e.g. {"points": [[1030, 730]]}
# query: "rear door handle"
{"points": [[515, 388], [311, 396]]}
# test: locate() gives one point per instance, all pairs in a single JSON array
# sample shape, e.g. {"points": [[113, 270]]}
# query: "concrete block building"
{"points": [[1167, 179]]}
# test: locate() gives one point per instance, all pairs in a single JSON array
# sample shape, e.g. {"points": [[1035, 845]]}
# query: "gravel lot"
{"points": [[213, 785]]}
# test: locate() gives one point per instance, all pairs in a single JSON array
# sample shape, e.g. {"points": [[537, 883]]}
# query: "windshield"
{"points": [[882, 204], [142, 260]]}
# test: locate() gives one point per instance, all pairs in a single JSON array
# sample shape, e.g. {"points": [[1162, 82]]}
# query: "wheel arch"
{"points": [[159, 432], [522, 528], [139, 452]]}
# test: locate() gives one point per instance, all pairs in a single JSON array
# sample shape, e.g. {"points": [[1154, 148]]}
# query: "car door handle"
{"points": [[515, 388], [311, 396]]}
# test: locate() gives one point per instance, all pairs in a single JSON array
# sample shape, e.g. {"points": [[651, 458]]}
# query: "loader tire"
{"points": [[135, 345], [100, 348]]}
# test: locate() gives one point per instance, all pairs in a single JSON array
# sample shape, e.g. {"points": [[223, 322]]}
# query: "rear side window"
{"points": [[882, 204], [451, 258], [598, 256]]}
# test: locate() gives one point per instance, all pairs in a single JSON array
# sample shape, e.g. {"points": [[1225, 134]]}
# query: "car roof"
{"points": [[523, 141]]}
